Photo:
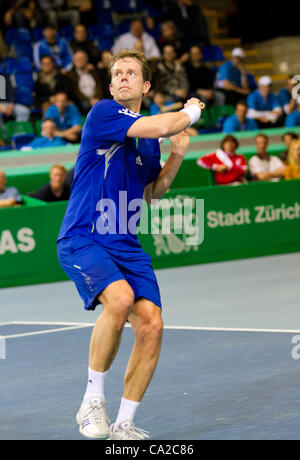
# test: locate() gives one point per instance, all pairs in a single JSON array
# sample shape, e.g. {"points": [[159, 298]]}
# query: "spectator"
{"points": [[229, 168], [170, 36], [70, 177], [66, 117], [56, 190], [47, 138], [239, 121], [86, 9], [49, 82], [285, 96], [293, 119], [9, 108], [139, 40], [264, 105], [161, 104], [287, 139], [264, 166], [292, 170], [85, 83], [81, 42], [53, 46], [9, 196], [233, 78], [56, 11], [201, 78], [171, 76], [188, 18], [103, 71], [20, 13]]}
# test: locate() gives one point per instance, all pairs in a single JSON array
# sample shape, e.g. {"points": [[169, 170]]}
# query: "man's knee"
{"points": [[118, 300], [151, 329]]}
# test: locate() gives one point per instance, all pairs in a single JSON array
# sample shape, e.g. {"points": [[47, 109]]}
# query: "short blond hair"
{"points": [[127, 53], [291, 159], [58, 166]]}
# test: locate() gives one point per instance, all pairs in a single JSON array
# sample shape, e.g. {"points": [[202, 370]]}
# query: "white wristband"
{"points": [[194, 113]]}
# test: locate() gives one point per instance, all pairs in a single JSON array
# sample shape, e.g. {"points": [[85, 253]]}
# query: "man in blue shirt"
{"points": [[48, 138], [264, 105], [67, 118], [118, 164], [52, 45], [239, 121], [293, 119], [233, 78]]}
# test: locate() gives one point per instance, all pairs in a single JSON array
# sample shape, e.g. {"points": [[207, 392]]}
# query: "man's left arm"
{"points": [[155, 190]]}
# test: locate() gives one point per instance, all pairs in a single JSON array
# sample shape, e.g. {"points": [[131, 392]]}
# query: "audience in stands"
{"points": [[54, 46], [9, 196], [47, 138], [56, 190], [85, 83], [161, 104], [9, 108], [59, 11], [292, 170], [81, 42], [170, 36], [171, 78], [263, 166], [285, 96], [239, 121], [293, 118], [67, 118], [139, 40], [287, 139], [201, 79], [49, 81], [69, 177], [233, 79], [189, 20], [19, 13], [264, 105], [229, 167], [104, 74]]}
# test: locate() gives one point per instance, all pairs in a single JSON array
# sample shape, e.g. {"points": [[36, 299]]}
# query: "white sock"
{"points": [[95, 385], [126, 412]]}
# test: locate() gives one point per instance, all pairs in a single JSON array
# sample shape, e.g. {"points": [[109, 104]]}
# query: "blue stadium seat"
{"points": [[19, 140], [129, 7], [105, 43], [24, 50], [66, 32], [17, 35], [24, 79], [123, 27], [14, 65], [24, 96], [212, 53], [37, 34]]}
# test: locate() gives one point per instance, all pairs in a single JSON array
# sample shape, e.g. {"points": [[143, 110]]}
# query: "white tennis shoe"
{"points": [[92, 419], [127, 431]]}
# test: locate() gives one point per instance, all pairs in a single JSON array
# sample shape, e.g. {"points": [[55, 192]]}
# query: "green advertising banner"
{"points": [[188, 226]]}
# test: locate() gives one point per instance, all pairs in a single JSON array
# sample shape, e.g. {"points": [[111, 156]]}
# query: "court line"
{"points": [[46, 331]]}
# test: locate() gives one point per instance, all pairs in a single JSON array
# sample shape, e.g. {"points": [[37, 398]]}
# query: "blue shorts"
{"points": [[92, 268]]}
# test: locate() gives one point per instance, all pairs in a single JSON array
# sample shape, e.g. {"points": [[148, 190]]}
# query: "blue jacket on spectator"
{"points": [[233, 124], [257, 102], [227, 71], [293, 119], [60, 52], [70, 118], [40, 142]]}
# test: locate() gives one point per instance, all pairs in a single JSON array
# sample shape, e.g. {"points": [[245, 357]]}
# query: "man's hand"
{"points": [[180, 143], [220, 168], [192, 101]]}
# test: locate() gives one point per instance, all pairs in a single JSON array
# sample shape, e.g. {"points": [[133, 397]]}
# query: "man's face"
{"points": [[61, 101], [287, 139], [264, 90], [127, 83], [296, 152], [48, 129], [47, 65], [261, 145], [2, 180], [80, 33], [237, 61], [49, 34], [241, 111], [80, 60], [196, 54], [106, 57], [169, 54], [57, 177], [137, 29]]}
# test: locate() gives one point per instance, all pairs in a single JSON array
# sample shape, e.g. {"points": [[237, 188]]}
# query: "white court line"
{"points": [[47, 331], [232, 329]]}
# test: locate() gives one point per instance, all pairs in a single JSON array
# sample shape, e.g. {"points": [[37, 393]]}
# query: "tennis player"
{"points": [[119, 156]]}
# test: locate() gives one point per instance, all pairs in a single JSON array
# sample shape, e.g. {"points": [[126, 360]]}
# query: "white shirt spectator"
{"points": [[261, 165], [129, 40], [87, 84]]}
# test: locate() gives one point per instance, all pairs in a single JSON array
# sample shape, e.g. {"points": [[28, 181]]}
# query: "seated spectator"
{"points": [[286, 99], [49, 82], [264, 106], [86, 8], [189, 20], [54, 46], [70, 177], [287, 139], [56, 190], [292, 170], [239, 121], [201, 78], [56, 11], [229, 168], [233, 78], [138, 40], [171, 76], [170, 36], [81, 42], [104, 73], [47, 138], [85, 84], [20, 13], [263, 166], [67, 118], [9, 196], [9, 109], [293, 119], [161, 104]]}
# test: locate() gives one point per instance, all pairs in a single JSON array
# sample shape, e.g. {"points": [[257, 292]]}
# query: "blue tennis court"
{"points": [[226, 369]]}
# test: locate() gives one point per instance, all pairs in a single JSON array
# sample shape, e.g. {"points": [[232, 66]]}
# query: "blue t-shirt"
{"points": [[284, 97], [293, 119], [227, 71], [11, 192], [257, 102], [40, 142], [70, 118], [110, 166], [233, 124]]}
